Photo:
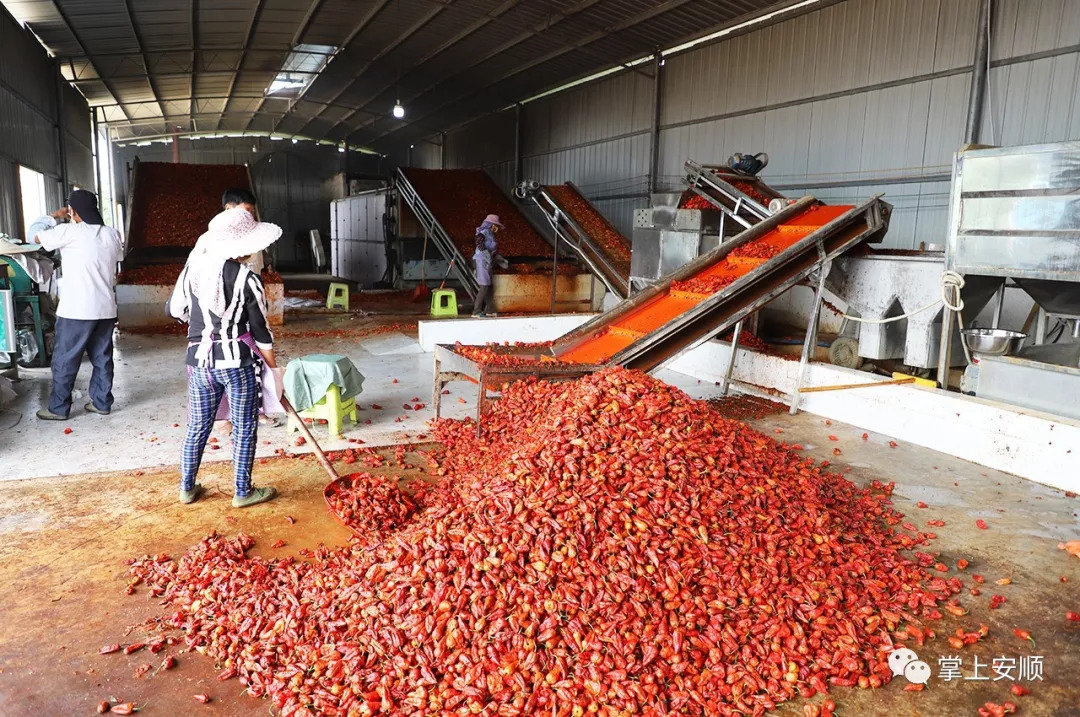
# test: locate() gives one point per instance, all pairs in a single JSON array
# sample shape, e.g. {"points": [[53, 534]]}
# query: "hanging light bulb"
{"points": [[399, 111]]}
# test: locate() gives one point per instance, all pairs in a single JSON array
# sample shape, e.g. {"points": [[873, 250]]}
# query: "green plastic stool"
{"points": [[331, 409], [444, 302], [338, 296]]}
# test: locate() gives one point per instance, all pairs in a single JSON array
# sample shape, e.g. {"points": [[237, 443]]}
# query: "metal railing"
{"points": [[437, 232]]}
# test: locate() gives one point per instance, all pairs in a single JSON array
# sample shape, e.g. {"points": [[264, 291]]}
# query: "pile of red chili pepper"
{"points": [[703, 284], [747, 188], [173, 203], [153, 274], [461, 198], [608, 545], [756, 250], [696, 201], [615, 246], [168, 274], [369, 503], [748, 340], [344, 333], [489, 355]]}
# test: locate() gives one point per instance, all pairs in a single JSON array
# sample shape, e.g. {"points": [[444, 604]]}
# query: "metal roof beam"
{"points": [[139, 43], [240, 66], [599, 34], [460, 37], [194, 47], [379, 55], [520, 37], [306, 21], [82, 46]]}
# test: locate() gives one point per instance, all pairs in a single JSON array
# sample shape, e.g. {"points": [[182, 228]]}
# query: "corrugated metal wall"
{"points": [[31, 123], [856, 98]]}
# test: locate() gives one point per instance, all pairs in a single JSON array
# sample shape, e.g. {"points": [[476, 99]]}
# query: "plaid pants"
{"points": [[205, 389]]}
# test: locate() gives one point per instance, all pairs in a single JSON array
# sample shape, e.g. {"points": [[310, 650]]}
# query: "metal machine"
{"points": [[668, 234], [579, 226], [25, 309], [684, 309], [1015, 214]]}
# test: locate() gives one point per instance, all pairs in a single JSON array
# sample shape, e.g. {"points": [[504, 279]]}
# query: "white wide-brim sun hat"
{"points": [[235, 233]]}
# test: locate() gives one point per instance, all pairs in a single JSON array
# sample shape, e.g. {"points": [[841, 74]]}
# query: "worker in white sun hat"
{"points": [[229, 343]]}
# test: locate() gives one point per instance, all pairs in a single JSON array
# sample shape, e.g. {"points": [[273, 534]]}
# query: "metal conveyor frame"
{"points": [[436, 231]]}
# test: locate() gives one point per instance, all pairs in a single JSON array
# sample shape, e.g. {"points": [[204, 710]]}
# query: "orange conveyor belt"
{"points": [[626, 329]]}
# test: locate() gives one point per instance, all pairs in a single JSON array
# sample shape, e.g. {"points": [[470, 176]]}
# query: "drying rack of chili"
{"points": [[577, 224], [490, 375], [704, 298]]}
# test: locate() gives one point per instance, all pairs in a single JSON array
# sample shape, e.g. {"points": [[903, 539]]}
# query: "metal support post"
{"points": [[979, 67], [98, 160], [735, 334], [554, 272], [999, 305], [518, 169], [654, 133], [61, 130], [810, 342]]}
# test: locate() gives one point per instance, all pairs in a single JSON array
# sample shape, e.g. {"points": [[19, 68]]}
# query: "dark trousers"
{"points": [[73, 338], [485, 302]]}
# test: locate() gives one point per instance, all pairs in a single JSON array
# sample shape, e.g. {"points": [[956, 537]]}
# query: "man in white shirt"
{"points": [[89, 254]]}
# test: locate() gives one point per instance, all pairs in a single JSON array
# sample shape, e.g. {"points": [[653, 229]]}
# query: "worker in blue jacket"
{"points": [[485, 254]]}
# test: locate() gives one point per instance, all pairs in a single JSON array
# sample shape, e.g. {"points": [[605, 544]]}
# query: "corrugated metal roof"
{"points": [[149, 65]]}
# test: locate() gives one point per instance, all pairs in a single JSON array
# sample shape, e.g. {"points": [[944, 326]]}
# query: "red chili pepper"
{"points": [[168, 663], [67, 431], [1019, 690], [124, 708], [997, 601], [920, 504], [981, 524], [577, 549], [204, 699], [978, 578], [961, 564], [1024, 635], [893, 444], [102, 707], [134, 647], [1072, 616], [109, 649]]}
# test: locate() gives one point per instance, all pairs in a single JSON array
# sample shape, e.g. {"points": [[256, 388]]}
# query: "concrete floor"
{"points": [[146, 427], [65, 539]]}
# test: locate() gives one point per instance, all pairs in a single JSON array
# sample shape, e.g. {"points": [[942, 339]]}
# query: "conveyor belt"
{"points": [[451, 203], [716, 290], [743, 198], [584, 230]]}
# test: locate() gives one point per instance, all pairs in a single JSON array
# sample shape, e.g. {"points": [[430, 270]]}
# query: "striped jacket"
{"points": [[214, 341]]}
